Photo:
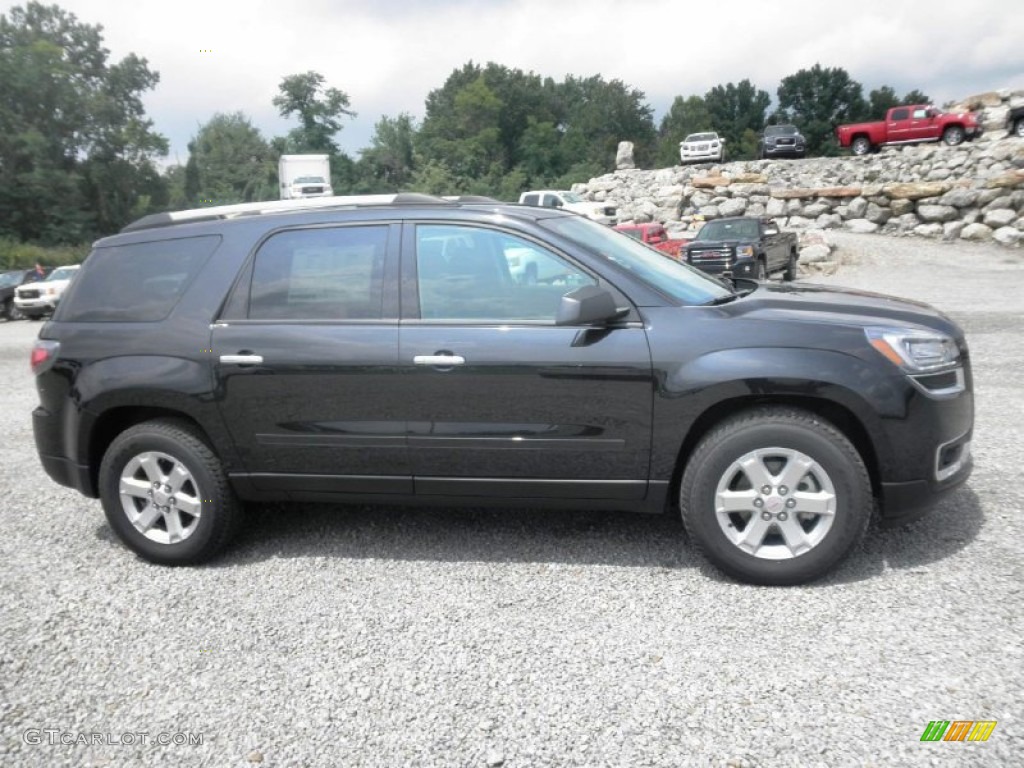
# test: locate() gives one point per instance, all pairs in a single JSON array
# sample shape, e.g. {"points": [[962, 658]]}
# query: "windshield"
{"points": [[780, 130], [636, 234], [62, 273], [572, 197], [701, 137], [309, 180], [739, 229], [682, 282], [9, 278]]}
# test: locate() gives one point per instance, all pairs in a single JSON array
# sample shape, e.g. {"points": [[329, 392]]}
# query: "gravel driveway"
{"points": [[354, 636]]}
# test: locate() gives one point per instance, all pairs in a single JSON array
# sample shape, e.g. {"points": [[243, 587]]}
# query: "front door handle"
{"points": [[242, 359], [440, 361]]}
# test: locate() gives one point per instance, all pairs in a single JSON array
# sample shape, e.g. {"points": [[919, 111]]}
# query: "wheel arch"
{"points": [[114, 421], [841, 417]]}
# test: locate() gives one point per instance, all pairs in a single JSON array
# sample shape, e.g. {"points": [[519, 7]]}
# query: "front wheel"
{"points": [[775, 496], [762, 271], [11, 311], [861, 145], [953, 135], [165, 494]]}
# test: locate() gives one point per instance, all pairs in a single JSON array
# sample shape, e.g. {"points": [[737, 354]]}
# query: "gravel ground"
{"points": [[352, 636]]}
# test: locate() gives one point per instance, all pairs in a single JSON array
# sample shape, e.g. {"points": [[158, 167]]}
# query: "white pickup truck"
{"points": [[605, 213]]}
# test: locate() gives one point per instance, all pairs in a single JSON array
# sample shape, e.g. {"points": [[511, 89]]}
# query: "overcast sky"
{"points": [[388, 54]]}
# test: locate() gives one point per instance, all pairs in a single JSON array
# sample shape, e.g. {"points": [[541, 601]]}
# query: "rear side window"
{"points": [[320, 274], [136, 283], [901, 114]]}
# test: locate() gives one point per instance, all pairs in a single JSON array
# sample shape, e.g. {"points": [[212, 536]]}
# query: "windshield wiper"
{"points": [[721, 300]]}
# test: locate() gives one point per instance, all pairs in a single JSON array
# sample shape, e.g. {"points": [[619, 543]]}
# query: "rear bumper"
{"points": [[60, 468]]}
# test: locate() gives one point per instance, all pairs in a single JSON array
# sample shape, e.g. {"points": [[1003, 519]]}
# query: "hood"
{"points": [[697, 245], [839, 306]]}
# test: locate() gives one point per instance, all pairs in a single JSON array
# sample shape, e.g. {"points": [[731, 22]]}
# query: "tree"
{"points": [[684, 117], [76, 150], [231, 162], [817, 100], [884, 98], [387, 165], [318, 108], [735, 110]]}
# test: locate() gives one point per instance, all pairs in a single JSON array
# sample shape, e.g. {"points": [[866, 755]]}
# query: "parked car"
{"points": [[9, 281], [702, 147], [743, 246], [605, 213], [908, 125], [1015, 121], [654, 235], [781, 141], [328, 350], [37, 299]]}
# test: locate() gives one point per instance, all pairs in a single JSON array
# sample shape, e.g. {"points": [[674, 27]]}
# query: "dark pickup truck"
{"points": [[1015, 121], [743, 246], [10, 280]]}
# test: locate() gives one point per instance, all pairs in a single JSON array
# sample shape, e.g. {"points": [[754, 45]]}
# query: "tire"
{"points": [[793, 534], [790, 274], [198, 516], [953, 135], [1018, 127], [861, 145], [11, 311], [762, 271]]}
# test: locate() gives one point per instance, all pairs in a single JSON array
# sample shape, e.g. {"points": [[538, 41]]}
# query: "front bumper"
{"points": [[905, 502], [789, 150]]}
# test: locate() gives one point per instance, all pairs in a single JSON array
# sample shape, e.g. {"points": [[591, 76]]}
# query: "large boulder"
{"points": [[624, 156]]}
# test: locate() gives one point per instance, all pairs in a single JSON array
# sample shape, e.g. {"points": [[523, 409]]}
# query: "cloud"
{"points": [[387, 55]]}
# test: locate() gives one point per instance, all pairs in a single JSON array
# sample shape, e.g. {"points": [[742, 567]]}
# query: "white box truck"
{"points": [[304, 176]]}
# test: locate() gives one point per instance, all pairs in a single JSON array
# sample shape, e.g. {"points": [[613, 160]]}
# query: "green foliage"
{"points": [[76, 151], [18, 255], [318, 108], [884, 98], [387, 165], [817, 100], [685, 116], [229, 162], [736, 109]]}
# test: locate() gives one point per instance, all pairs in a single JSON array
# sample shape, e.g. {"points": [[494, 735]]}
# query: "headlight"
{"points": [[745, 250], [915, 351]]}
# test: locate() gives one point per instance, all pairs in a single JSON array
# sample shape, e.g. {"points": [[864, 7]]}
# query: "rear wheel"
{"points": [[762, 270], [953, 135], [790, 273], [861, 145], [165, 494], [775, 496]]}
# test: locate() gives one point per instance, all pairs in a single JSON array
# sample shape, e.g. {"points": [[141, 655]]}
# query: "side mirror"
{"points": [[587, 305]]}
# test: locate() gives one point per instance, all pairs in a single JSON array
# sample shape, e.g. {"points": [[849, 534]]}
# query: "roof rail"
{"points": [[281, 206]]}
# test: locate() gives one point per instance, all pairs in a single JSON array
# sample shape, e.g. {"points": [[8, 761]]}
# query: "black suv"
{"points": [[781, 141], [381, 349], [9, 281]]}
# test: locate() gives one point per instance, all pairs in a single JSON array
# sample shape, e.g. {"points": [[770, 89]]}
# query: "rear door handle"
{"points": [[442, 361], [242, 359]]}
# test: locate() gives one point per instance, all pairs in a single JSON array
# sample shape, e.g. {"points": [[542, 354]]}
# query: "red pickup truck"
{"points": [[655, 236], [909, 124]]}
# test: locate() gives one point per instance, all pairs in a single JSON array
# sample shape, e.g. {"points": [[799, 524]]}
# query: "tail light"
{"points": [[44, 353]]}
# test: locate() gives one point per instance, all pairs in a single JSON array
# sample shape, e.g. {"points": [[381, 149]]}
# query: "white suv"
{"points": [[698, 147], [37, 299], [604, 213]]}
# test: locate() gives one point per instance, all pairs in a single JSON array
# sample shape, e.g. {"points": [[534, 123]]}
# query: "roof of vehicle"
{"points": [[702, 136], [340, 202]]}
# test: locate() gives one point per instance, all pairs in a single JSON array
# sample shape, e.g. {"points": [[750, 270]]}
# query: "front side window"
{"points": [[320, 274], [485, 275]]}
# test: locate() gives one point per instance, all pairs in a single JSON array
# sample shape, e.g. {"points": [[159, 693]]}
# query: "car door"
{"points": [[922, 125], [898, 126], [774, 246], [500, 400], [306, 361]]}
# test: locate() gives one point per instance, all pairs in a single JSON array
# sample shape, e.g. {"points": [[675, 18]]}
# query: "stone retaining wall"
{"points": [[974, 191]]}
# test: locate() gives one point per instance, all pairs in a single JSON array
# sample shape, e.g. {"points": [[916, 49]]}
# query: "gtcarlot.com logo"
{"points": [[55, 736], [958, 730]]}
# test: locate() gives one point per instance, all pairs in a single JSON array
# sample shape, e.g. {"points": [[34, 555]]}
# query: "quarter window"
{"points": [[484, 275], [320, 274]]}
